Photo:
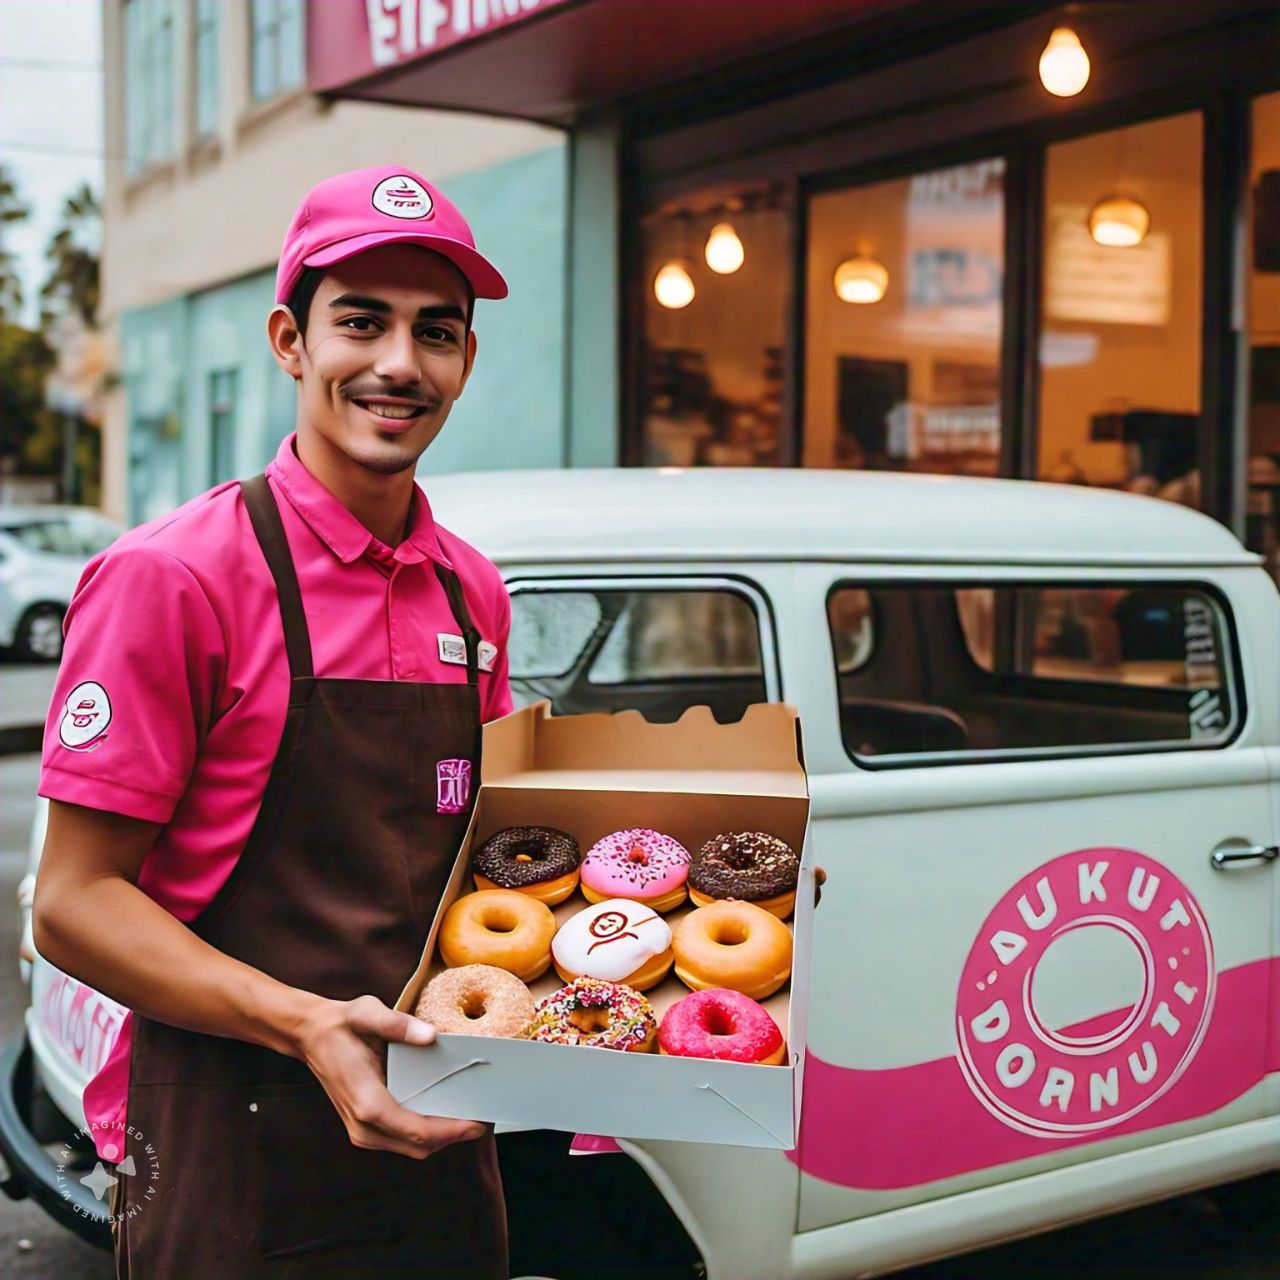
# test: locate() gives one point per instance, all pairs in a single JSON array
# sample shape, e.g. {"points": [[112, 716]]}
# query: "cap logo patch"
{"points": [[85, 717], [402, 197]]}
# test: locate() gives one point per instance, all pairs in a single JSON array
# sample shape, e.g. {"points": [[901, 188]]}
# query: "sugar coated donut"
{"points": [[617, 940], [732, 944], [539, 861], [499, 927], [640, 864], [751, 866], [603, 1015], [718, 1023], [477, 1000]]}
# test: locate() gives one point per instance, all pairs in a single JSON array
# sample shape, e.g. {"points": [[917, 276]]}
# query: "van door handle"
{"points": [[1225, 859]]}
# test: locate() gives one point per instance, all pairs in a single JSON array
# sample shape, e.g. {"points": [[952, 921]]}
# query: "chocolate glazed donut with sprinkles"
{"points": [[749, 866], [601, 1015], [541, 862]]}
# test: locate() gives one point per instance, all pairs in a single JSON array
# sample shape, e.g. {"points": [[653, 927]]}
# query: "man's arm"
{"points": [[89, 917]]}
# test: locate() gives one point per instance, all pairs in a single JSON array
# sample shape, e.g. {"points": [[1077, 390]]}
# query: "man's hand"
{"points": [[344, 1044]]}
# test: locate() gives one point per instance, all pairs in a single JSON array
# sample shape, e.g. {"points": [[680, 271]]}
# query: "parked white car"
{"points": [[1042, 733], [43, 551]]}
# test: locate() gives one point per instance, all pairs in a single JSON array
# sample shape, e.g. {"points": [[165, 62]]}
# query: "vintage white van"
{"points": [[1042, 731]]}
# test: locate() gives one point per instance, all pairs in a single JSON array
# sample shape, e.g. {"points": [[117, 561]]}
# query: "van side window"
{"points": [[659, 651], [973, 672]]}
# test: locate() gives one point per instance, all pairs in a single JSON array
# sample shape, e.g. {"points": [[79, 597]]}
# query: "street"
{"points": [[1232, 1233]]}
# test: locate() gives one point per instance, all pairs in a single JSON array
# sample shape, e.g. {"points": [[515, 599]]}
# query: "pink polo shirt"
{"points": [[171, 696]]}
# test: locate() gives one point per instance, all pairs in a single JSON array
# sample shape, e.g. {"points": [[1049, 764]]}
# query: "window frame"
{"points": [[757, 598], [275, 25], [1232, 664], [206, 36], [673, 144]]}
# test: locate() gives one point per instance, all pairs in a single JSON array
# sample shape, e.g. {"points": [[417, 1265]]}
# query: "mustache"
{"points": [[364, 390]]}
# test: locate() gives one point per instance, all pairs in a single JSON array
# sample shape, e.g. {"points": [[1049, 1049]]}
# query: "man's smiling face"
{"points": [[387, 351]]}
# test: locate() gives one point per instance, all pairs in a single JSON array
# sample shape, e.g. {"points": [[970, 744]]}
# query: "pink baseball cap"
{"points": [[355, 211]]}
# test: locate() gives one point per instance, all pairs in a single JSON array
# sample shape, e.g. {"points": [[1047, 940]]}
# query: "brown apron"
{"points": [[243, 1168]]}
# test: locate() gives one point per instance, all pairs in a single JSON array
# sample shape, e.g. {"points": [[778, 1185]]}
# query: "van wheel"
{"points": [[39, 634], [551, 1196]]}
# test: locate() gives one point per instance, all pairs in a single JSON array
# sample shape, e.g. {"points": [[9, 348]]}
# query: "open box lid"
{"points": [[760, 754]]}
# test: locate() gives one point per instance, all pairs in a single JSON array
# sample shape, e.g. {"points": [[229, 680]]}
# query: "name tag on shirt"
{"points": [[454, 649]]}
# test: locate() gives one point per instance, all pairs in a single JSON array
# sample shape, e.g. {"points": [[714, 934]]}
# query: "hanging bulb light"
{"points": [[1064, 65], [862, 279], [1119, 221], [673, 286], [724, 251]]}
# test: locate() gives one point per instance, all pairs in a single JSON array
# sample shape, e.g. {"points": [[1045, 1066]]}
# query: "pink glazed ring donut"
{"points": [[639, 864], [723, 1024]]}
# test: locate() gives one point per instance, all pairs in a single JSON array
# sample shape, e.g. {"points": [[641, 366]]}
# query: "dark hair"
{"points": [[304, 292]]}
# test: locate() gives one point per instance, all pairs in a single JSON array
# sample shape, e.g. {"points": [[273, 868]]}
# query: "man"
{"points": [[259, 759]]}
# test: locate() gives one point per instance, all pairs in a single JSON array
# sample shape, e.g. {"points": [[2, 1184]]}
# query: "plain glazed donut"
{"points": [[640, 864], [616, 940], [500, 927], [601, 1015], [732, 944], [751, 866], [723, 1024], [477, 1000], [539, 861]]}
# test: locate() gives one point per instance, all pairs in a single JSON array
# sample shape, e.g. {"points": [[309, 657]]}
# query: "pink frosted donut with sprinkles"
{"points": [[598, 1014], [640, 864]]}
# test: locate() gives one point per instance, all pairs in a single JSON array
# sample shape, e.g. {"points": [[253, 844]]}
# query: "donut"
{"points": [[539, 861], [602, 1015], [639, 864], [509, 930], [718, 1023], [477, 1000], [732, 944], [616, 940], [751, 866]]}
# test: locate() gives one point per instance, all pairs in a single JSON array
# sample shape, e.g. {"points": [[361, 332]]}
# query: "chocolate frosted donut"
{"points": [[750, 866], [539, 861]]}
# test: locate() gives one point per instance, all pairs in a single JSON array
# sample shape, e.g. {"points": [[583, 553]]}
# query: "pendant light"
{"points": [[673, 286], [724, 251], [861, 279], [1119, 221], [1064, 65]]}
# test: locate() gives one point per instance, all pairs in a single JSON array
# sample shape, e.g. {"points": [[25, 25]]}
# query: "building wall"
{"points": [[190, 248]]}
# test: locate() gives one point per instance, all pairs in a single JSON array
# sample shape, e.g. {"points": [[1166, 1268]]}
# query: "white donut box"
{"points": [[590, 775]]}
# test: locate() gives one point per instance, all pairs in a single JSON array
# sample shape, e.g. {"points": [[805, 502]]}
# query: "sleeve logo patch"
{"points": [[85, 717]]}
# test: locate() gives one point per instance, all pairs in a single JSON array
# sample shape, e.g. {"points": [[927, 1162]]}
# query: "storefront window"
{"points": [[1121, 310], [1262, 522], [714, 327], [902, 365]]}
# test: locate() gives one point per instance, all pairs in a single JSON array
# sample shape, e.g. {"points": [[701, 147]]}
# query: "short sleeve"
{"points": [[497, 701], [141, 667]]}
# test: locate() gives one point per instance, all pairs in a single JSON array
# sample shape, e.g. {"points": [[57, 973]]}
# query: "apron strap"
{"points": [[265, 516], [462, 616]]}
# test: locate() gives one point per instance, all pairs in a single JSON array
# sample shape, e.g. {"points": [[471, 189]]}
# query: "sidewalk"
{"points": [[24, 698]]}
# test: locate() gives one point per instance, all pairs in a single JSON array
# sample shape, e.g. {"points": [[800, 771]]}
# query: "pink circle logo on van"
{"points": [[1033, 1045]]}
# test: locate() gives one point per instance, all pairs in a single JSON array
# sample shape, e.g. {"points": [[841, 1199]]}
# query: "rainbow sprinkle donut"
{"points": [[602, 1015], [640, 864]]}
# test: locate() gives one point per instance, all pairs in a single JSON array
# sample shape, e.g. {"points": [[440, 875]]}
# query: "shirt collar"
{"points": [[334, 525]]}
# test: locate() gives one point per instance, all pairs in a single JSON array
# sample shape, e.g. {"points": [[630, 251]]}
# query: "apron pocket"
{"points": [[319, 1191]]}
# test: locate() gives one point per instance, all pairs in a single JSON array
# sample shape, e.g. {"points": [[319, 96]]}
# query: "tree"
{"points": [[25, 360], [72, 284], [12, 210]]}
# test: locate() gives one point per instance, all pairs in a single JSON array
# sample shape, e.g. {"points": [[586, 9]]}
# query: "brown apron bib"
{"points": [[243, 1168]]}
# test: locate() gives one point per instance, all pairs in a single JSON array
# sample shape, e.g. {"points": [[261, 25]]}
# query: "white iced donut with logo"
{"points": [[1069, 1081], [617, 940]]}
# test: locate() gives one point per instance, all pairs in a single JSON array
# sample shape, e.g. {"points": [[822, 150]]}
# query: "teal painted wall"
{"points": [[512, 414]]}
